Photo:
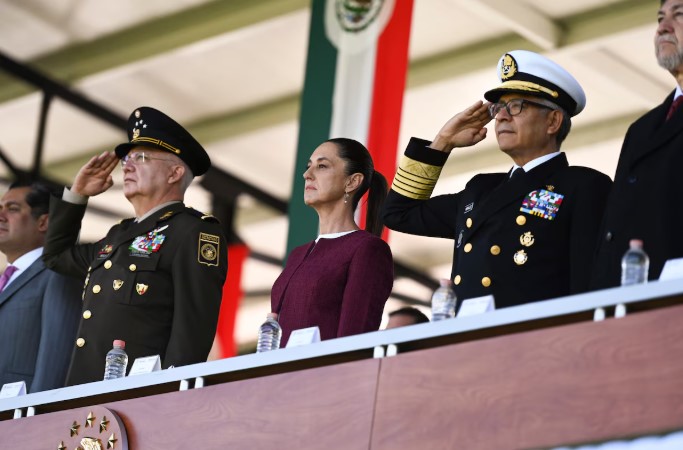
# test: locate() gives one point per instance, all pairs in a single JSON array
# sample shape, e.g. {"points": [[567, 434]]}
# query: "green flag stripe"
{"points": [[314, 123]]}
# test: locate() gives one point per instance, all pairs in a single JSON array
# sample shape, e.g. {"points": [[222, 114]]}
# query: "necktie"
{"points": [[674, 106], [518, 172], [6, 275]]}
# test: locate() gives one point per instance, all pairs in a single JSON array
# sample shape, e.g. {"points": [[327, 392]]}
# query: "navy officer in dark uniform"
{"points": [[522, 236], [155, 281]]}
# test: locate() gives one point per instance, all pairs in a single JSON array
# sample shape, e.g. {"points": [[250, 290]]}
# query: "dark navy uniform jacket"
{"points": [[645, 202], [522, 240], [156, 284]]}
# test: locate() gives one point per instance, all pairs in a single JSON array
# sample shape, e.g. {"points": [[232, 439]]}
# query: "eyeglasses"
{"points": [[514, 106], [138, 158]]}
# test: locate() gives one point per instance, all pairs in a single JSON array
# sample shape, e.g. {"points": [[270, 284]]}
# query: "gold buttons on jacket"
{"points": [[133, 267], [80, 342], [107, 264], [457, 280], [495, 250], [521, 220], [87, 314], [468, 247], [96, 289], [468, 222], [486, 282]]}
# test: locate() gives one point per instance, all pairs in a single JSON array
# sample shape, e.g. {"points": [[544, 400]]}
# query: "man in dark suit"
{"points": [[523, 237], [645, 199], [39, 309], [154, 281]]}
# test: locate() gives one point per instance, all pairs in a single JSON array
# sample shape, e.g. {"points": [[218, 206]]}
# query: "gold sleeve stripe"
{"points": [[419, 169], [408, 194], [157, 142], [408, 183], [529, 86], [409, 176], [412, 188]]}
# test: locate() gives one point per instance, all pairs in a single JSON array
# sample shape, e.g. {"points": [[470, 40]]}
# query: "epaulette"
{"points": [[201, 215]]}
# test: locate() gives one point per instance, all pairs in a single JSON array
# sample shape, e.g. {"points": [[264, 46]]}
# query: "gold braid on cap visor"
{"points": [[528, 86], [157, 142]]}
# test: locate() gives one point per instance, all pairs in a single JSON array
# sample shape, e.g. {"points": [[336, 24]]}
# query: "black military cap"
{"points": [[148, 127]]}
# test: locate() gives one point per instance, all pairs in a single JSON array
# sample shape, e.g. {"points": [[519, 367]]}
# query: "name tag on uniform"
{"points": [[542, 203]]}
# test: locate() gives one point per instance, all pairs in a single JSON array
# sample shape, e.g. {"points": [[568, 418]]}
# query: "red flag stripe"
{"points": [[391, 69], [232, 296]]}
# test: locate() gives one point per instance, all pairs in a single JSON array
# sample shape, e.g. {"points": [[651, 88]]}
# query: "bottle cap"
{"points": [[637, 243], [119, 343]]}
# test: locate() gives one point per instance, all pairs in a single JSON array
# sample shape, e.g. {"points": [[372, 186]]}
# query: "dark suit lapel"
{"points": [[23, 278], [516, 190], [657, 130]]}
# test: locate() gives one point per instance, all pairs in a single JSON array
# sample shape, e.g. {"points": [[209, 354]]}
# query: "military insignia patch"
{"points": [[104, 251], [527, 239], [117, 284], [208, 249], [147, 244], [141, 288], [542, 203], [520, 257], [166, 215], [508, 67], [469, 207]]}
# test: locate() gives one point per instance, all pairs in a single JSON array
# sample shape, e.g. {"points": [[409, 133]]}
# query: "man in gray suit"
{"points": [[39, 309]]}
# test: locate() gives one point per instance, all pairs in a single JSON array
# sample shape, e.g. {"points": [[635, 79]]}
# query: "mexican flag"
{"points": [[355, 79]]}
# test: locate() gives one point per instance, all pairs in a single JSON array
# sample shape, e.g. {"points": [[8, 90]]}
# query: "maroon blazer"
{"points": [[339, 284]]}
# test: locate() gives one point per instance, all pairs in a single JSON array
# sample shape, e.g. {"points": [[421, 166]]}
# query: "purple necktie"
{"points": [[6, 275], [674, 106]]}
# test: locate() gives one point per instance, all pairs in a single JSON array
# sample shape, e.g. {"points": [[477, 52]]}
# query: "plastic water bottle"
{"points": [[443, 301], [116, 361], [269, 334], [635, 264]]}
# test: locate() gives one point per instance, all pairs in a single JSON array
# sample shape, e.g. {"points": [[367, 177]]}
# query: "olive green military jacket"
{"points": [[156, 284]]}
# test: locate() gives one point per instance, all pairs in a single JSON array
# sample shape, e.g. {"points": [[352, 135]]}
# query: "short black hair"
{"points": [[38, 196], [414, 313]]}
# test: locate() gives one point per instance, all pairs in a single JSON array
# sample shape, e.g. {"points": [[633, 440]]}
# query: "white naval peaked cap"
{"points": [[526, 72]]}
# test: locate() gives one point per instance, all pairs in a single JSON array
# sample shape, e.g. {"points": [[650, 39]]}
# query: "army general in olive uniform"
{"points": [[523, 237], [154, 281]]}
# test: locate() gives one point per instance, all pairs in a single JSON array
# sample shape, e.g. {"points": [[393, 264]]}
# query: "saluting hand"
{"points": [[95, 176], [464, 129]]}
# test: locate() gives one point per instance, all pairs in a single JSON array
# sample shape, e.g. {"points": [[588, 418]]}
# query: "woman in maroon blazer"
{"points": [[340, 281]]}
